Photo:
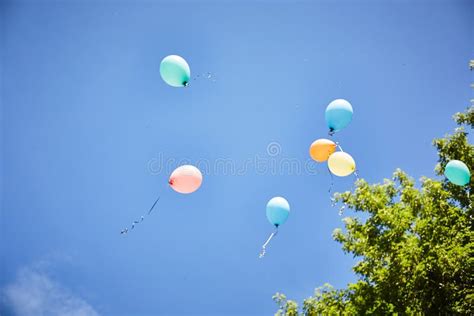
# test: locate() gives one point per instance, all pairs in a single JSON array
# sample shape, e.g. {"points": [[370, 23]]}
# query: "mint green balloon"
{"points": [[175, 71], [457, 172]]}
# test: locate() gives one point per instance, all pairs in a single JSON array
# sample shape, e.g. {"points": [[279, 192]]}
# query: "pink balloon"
{"points": [[185, 179]]}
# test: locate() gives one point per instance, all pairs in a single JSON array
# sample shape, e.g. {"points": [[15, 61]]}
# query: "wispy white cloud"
{"points": [[33, 292]]}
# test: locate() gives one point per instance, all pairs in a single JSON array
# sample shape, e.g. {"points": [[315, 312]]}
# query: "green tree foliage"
{"points": [[414, 245]]}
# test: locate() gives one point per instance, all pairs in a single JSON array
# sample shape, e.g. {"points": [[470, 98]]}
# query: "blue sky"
{"points": [[90, 133]]}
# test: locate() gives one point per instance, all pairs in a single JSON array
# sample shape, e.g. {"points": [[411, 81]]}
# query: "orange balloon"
{"points": [[185, 179], [321, 149]]}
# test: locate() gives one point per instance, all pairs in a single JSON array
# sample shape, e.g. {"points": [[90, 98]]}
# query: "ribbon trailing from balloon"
{"points": [[126, 230], [263, 251], [332, 180], [206, 76]]}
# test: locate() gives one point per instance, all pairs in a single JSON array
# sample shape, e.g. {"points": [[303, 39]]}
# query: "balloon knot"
{"points": [[170, 182], [185, 83]]}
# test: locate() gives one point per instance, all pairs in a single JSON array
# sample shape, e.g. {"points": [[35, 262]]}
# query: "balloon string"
{"points": [[332, 180], [208, 75], [151, 209], [135, 222], [356, 175], [340, 148], [263, 251]]}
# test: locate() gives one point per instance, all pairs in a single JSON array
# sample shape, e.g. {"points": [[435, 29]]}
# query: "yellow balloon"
{"points": [[321, 149], [341, 164]]}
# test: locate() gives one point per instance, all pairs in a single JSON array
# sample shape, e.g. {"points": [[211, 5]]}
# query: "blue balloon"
{"points": [[338, 114], [457, 172], [278, 210]]}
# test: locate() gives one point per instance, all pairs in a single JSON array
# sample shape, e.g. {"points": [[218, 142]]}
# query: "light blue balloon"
{"points": [[457, 172], [278, 210], [338, 114]]}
